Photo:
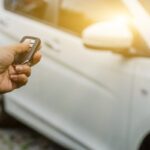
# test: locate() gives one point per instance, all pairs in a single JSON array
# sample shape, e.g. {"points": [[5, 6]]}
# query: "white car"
{"points": [[84, 99]]}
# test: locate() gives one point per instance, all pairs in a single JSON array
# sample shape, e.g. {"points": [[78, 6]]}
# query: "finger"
{"points": [[23, 69], [36, 58], [11, 70], [19, 48], [20, 79]]}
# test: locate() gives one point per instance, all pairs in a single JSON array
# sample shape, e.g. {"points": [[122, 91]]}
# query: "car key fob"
{"points": [[26, 57]]}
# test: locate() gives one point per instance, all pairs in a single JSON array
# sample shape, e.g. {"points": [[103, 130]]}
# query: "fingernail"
{"points": [[13, 76], [19, 68]]}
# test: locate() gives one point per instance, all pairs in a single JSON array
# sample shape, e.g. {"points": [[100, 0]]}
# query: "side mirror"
{"points": [[113, 36], [116, 37]]}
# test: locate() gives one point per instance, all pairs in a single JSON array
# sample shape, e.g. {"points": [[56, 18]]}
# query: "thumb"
{"points": [[19, 48]]}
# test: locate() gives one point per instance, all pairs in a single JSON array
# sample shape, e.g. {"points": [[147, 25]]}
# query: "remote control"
{"points": [[26, 57]]}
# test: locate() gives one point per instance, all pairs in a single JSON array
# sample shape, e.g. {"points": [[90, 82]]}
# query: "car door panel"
{"points": [[140, 122]]}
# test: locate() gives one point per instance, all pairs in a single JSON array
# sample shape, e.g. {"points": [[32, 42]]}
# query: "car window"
{"points": [[146, 5], [73, 15]]}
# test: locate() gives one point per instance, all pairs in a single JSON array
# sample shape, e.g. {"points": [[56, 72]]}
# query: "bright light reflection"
{"points": [[122, 19]]}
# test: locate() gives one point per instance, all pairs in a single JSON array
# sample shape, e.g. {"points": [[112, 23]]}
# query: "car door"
{"points": [[140, 118], [78, 96]]}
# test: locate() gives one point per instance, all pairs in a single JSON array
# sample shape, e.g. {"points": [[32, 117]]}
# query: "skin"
{"points": [[14, 76]]}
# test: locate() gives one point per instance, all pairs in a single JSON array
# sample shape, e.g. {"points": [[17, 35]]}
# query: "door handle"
{"points": [[53, 46]]}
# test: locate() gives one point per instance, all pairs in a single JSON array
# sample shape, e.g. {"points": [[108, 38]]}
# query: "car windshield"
{"points": [[73, 15]]}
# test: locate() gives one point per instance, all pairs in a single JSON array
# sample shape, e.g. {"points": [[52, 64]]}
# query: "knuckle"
{"points": [[28, 70], [23, 78]]}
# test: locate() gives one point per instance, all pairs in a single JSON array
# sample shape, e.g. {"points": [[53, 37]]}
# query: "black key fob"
{"points": [[26, 57]]}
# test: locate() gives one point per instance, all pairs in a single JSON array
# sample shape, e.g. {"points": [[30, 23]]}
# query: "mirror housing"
{"points": [[108, 35]]}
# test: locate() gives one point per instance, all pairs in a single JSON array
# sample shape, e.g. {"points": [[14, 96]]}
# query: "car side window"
{"points": [[78, 14], [31, 8], [146, 5], [73, 15]]}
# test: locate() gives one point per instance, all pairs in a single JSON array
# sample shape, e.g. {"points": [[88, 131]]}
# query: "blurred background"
{"points": [[91, 89]]}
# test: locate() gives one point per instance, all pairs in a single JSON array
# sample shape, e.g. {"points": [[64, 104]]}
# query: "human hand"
{"points": [[14, 76]]}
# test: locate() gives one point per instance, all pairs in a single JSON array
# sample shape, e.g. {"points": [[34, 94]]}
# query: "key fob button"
{"points": [[32, 41], [27, 41]]}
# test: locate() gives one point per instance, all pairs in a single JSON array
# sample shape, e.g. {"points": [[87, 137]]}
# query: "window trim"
{"points": [[6, 8]]}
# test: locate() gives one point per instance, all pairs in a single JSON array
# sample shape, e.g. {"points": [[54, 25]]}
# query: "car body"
{"points": [[83, 99]]}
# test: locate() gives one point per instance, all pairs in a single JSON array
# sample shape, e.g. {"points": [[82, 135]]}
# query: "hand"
{"points": [[14, 76]]}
